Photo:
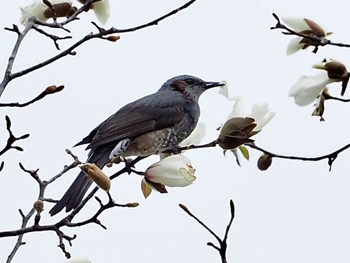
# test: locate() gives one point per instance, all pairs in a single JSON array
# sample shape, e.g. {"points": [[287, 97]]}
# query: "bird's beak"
{"points": [[211, 84]]}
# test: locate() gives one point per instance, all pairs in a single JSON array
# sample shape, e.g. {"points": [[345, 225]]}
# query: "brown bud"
{"points": [[113, 38], [96, 174], [38, 206], [236, 131], [53, 89], [135, 204], [264, 162]]}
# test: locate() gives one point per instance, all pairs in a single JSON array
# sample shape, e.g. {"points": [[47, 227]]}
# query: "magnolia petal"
{"points": [[294, 46], [306, 90], [239, 109], [297, 24], [262, 115], [196, 136], [188, 175], [223, 90], [102, 10], [80, 260]]}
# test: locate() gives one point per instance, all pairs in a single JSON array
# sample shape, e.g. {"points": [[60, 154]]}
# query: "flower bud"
{"points": [[264, 162], [113, 38], [135, 204], [38, 205], [174, 171], [236, 131], [53, 89], [96, 174]]}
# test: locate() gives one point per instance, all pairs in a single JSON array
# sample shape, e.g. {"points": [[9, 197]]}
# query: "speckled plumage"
{"points": [[151, 125]]}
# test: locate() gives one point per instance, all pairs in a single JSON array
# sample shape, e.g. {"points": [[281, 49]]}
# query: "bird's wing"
{"points": [[137, 118]]}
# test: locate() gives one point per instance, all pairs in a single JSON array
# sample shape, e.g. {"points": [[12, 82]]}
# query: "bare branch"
{"points": [[20, 36], [70, 50], [330, 157], [54, 38], [222, 242], [12, 139], [49, 90]]}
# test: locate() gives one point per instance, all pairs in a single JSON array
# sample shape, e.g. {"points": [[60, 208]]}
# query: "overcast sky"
{"points": [[294, 212]]}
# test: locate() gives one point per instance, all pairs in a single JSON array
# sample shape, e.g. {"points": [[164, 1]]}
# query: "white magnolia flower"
{"points": [[259, 112], [308, 88], [101, 9], [242, 125], [307, 27], [42, 12], [195, 137], [172, 171]]}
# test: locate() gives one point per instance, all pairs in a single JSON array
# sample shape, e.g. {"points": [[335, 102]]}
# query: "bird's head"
{"points": [[189, 86]]}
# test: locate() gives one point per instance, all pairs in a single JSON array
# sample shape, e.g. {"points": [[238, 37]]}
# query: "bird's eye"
{"points": [[190, 81]]}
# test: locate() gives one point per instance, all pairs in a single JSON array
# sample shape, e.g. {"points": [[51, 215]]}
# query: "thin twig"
{"points": [[331, 156], [20, 36], [12, 138], [222, 248], [49, 90], [70, 50]]}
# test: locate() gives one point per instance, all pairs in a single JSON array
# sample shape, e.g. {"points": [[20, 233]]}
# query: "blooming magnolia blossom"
{"points": [[242, 125], [42, 12], [307, 27], [172, 171], [259, 112], [308, 88]]}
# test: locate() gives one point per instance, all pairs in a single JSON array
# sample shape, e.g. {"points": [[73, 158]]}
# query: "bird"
{"points": [[150, 125]]}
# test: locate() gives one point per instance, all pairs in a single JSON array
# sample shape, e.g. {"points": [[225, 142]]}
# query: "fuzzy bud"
{"points": [[96, 174], [53, 89], [135, 204], [38, 206], [264, 162], [113, 38]]}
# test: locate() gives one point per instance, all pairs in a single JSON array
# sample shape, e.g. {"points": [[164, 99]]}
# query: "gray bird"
{"points": [[150, 125]]}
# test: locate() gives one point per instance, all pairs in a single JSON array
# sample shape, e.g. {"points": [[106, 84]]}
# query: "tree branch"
{"points": [[49, 90], [12, 139], [222, 242]]}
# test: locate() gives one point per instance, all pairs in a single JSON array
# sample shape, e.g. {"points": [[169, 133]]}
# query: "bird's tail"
{"points": [[72, 198]]}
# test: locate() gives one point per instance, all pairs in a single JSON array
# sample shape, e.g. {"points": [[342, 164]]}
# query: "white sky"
{"points": [[294, 212]]}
